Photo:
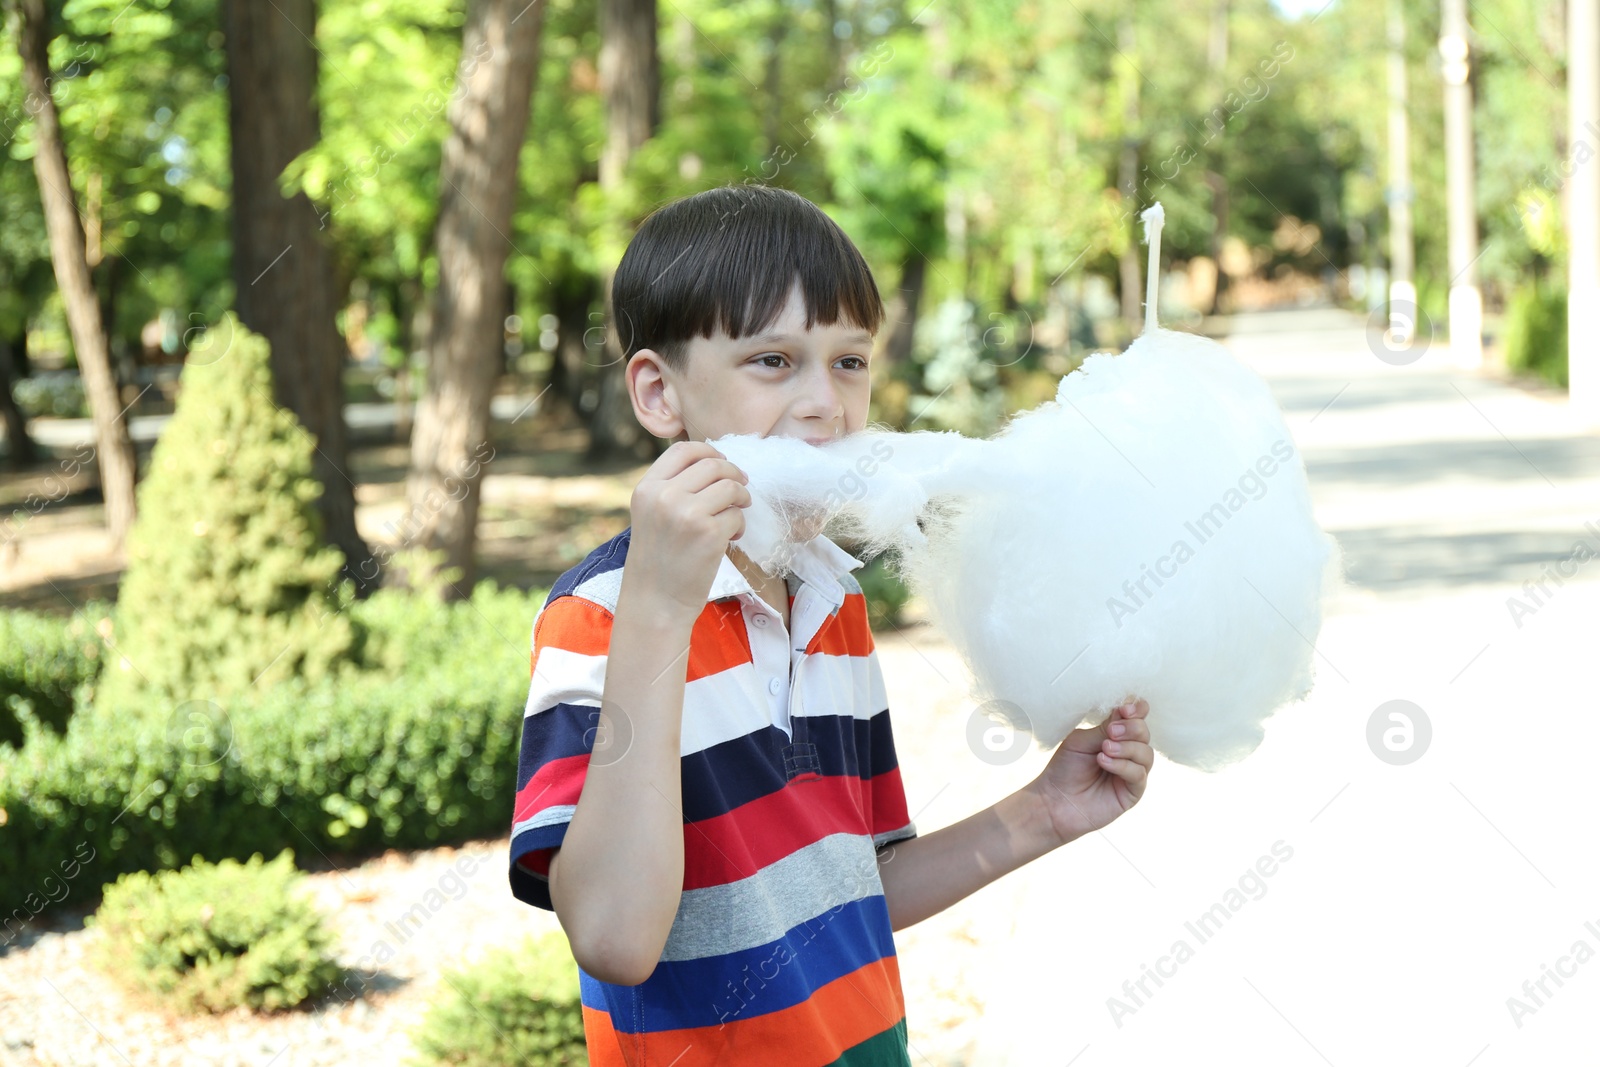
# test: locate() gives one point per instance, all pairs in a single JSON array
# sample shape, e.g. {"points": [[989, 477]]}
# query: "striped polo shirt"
{"points": [[781, 951]]}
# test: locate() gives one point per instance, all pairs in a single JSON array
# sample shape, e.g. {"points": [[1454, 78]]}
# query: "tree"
{"points": [[478, 185], [630, 83], [113, 447], [283, 274]]}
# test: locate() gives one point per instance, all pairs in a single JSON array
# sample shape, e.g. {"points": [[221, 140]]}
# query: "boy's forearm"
{"points": [[617, 878], [925, 875]]}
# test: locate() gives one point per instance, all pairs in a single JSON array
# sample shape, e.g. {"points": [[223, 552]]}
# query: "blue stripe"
{"points": [[559, 731], [741, 985], [607, 557], [720, 778], [525, 885]]}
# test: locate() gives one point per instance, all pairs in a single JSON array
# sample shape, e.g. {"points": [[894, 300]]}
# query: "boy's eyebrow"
{"points": [[771, 335]]}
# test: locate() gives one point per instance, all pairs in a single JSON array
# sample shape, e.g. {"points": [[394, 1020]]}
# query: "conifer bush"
{"points": [[228, 580]]}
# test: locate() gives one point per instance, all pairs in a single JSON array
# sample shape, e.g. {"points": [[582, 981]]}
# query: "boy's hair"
{"points": [[728, 256]]}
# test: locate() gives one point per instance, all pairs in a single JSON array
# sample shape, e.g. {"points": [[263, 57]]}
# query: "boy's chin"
{"points": [[804, 525]]}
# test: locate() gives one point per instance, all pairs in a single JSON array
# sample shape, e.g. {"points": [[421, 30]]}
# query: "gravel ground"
{"points": [[57, 1008]]}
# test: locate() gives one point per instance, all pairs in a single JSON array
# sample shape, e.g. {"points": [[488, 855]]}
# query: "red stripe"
{"points": [[885, 801], [739, 843], [557, 782]]}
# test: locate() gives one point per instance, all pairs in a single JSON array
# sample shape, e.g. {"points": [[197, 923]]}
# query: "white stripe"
{"points": [[561, 676], [720, 707], [734, 702], [829, 683]]}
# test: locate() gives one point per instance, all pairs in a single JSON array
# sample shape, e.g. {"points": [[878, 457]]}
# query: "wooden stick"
{"points": [[1153, 217]]}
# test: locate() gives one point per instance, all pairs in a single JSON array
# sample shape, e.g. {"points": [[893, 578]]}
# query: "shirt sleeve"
{"points": [[571, 638], [884, 794]]}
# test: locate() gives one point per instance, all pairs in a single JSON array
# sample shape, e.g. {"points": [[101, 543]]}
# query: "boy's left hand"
{"points": [[1095, 775]]}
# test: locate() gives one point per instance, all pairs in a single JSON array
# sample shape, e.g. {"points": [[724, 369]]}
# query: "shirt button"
{"points": [[773, 686], [760, 620]]}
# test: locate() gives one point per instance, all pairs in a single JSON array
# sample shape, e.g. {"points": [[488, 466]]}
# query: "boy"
{"points": [[719, 823]]}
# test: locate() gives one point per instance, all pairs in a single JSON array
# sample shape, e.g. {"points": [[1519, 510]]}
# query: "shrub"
{"points": [[1536, 331], [886, 594], [43, 661], [218, 936], [228, 581], [409, 758], [517, 1007]]}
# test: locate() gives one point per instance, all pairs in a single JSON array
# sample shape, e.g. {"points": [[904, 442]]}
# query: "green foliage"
{"points": [[416, 750], [885, 593], [218, 936], [228, 581], [43, 662], [517, 1007], [1536, 331]]}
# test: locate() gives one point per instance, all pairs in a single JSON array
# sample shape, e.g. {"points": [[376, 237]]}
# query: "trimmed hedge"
{"points": [[218, 936], [43, 661], [368, 760], [517, 1007]]}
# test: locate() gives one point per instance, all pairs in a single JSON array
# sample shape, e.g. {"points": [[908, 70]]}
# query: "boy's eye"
{"points": [[770, 355], [861, 364]]}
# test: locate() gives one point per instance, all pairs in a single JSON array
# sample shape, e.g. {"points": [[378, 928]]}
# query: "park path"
{"points": [[1406, 904]]}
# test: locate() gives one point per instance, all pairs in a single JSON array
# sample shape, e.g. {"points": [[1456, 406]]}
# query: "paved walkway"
{"points": [[1405, 904]]}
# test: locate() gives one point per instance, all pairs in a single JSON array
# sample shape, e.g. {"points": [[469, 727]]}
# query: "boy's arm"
{"points": [[616, 880], [1090, 780]]}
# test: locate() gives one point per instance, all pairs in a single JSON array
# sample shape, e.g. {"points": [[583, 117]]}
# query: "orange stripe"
{"points": [[574, 624], [847, 633], [718, 641], [843, 1013]]}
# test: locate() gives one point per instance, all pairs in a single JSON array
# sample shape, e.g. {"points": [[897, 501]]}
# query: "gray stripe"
{"points": [[758, 910], [909, 830], [547, 817]]}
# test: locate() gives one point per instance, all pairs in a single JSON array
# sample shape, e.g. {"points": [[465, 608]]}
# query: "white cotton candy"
{"points": [[1149, 533]]}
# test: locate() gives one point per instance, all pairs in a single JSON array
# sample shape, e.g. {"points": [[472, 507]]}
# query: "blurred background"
{"points": [[308, 395]]}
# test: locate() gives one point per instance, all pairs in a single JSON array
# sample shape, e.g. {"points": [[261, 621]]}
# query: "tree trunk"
{"points": [[283, 274], [630, 84], [573, 294], [16, 424], [113, 447], [1219, 211], [478, 183], [902, 310]]}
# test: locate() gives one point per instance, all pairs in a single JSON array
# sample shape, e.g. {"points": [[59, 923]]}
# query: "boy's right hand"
{"points": [[686, 510]]}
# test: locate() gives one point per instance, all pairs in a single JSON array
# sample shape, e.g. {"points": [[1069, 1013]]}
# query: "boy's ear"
{"points": [[653, 394]]}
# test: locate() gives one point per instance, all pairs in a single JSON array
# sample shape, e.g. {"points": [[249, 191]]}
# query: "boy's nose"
{"points": [[822, 406]]}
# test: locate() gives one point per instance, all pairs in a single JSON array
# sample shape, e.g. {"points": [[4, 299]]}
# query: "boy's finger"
{"points": [[1129, 729], [1129, 770], [1137, 751]]}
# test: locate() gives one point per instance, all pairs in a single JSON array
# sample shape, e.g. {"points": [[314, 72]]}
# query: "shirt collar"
{"points": [[818, 563]]}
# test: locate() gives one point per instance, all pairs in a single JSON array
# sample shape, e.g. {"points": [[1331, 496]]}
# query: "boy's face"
{"points": [[786, 381]]}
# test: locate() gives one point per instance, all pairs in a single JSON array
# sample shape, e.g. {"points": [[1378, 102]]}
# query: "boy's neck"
{"points": [[774, 589]]}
